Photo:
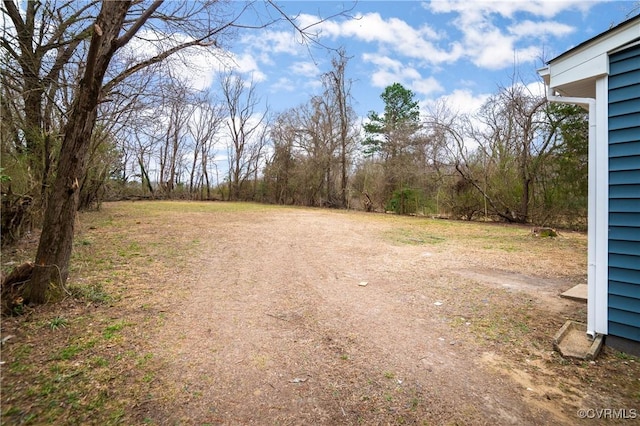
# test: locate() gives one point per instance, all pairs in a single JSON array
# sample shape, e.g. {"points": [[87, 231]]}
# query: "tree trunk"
{"points": [[56, 240], [192, 175], [524, 202], [205, 174], [343, 175], [145, 176]]}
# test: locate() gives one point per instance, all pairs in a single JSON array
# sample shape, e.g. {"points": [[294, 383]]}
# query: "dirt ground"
{"points": [[299, 316]]}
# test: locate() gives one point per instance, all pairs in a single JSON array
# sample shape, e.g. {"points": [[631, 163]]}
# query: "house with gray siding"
{"points": [[603, 75]]}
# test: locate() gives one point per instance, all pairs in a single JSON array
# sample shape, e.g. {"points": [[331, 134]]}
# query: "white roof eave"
{"points": [[574, 73]]}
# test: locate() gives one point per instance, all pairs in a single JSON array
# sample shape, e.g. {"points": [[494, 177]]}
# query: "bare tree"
{"points": [[116, 24], [204, 128], [313, 144], [143, 148], [176, 113], [279, 169], [54, 249], [321, 143], [514, 141], [502, 149], [41, 43], [246, 131], [338, 92], [310, 137]]}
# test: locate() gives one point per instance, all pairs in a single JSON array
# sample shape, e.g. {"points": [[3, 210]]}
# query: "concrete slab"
{"points": [[572, 341], [578, 293]]}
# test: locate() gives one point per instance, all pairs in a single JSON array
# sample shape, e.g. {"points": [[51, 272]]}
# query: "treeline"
{"points": [[518, 159]]}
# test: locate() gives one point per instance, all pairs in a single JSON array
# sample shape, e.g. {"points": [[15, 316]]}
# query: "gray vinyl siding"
{"points": [[624, 194]]}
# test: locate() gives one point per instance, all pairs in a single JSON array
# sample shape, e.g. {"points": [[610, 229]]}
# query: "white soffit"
{"points": [[573, 73]]}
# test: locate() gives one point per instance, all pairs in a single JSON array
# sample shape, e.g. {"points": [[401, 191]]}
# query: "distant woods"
{"points": [[518, 159]]}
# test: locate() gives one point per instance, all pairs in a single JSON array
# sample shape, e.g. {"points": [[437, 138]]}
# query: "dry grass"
{"points": [[95, 357]]}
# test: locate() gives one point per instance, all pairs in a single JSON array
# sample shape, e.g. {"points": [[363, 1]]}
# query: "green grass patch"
{"points": [[99, 361], [58, 322], [94, 292], [80, 344], [144, 360], [158, 208], [20, 355], [112, 330], [68, 352], [413, 236]]}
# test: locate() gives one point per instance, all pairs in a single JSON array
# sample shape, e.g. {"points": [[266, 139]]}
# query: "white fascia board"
{"points": [[545, 73], [578, 68], [592, 59]]}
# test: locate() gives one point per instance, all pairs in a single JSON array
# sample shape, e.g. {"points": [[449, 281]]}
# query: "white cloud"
{"points": [[531, 28], [389, 70], [383, 78], [497, 51], [196, 71], [461, 104], [382, 61], [490, 47], [543, 8], [464, 101], [460, 101], [306, 68], [464, 39], [243, 64], [273, 41], [405, 52], [536, 88], [372, 27], [528, 54], [314, 25], [393, 34], [394, 71], [482, 42], [426, 86], [283, 84]]}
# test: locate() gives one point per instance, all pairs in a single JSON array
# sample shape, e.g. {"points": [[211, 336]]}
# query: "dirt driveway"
{"points": [[315, 317], [299, 316]]}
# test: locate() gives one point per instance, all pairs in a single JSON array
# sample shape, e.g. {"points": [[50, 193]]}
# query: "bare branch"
{"points": [[126, 37]]}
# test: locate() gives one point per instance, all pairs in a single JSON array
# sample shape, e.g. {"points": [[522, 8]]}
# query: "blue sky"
{"points": [[459, 51]]}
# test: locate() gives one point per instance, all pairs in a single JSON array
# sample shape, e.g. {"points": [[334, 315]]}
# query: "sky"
{"points": [[457, 51]]}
